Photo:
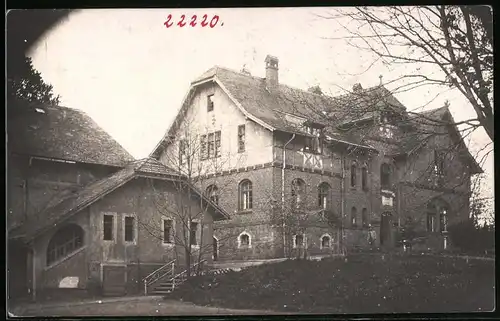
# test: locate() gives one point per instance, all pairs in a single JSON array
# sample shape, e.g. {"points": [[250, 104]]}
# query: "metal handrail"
{"points": [[185, 271], [153, 276]]}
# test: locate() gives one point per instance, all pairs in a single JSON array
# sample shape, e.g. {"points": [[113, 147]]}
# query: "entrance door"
{"points": [[385, 229], [114, 280], [215, 248]]}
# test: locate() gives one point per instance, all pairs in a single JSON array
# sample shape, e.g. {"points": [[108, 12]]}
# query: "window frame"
{"points": [[353, 176], [364, 178], [171, 241], [113, 227], [324, 196], [241, 195], [212, 191], [364, 217], [298, 194], [241, 138], [354, 216], [210, 102], [385, 177], [240, 245], [196, 234], [321, 246], [134, 229]]}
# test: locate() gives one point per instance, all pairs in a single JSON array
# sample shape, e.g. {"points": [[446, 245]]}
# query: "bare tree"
{"points": [[454, 40], [197, 156]]}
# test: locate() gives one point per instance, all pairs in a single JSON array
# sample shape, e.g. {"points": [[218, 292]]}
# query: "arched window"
{"points": [[437, 208], [326, 241], [244, 240], [65, 241], [324, 195], [212, 193], [245, 195], [385, 176], [298, 192], [354, 213], [353, 174], [364, 178], [364, 217]]}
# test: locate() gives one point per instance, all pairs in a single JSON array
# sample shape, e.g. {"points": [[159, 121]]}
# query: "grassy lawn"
{"points": [[360, 284]]}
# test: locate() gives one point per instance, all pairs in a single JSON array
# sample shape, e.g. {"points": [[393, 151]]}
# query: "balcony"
{"points": [[307, 160]]}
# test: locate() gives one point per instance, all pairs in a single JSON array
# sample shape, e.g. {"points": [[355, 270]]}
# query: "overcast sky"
{"points": [[130, 73]]}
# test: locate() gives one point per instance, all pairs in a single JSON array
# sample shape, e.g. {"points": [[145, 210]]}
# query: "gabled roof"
{"points": [[61, 133], [71, 203], [269, 107], [425, 122]]}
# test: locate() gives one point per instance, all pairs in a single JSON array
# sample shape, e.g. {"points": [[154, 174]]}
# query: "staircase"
{"points": [[164, 280]]}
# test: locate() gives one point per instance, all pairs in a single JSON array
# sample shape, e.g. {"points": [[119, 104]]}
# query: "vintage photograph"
{"points": [[250, 161]]}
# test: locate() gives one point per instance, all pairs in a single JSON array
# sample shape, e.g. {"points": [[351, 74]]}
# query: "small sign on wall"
{"points": [[69, 282], [387, 200]]}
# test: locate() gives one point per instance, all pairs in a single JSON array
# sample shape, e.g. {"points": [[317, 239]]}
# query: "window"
{"points": [[323, 195], [210, 103], [217, 144], [313, 144], [168, 231], [443, 221], [364, 217], [364, 178], [431, 218], [298, 240], [298, 192], [108, 227], [353, 175], [245, 195], [437, 208], [183, 151], [326, 241], [244, 240], [129, 229], [439, 162], [193, 233], [241, 138], [65, 241], [354, 213], [203, 148], [212, 193], [210, 145], [385, 176]]}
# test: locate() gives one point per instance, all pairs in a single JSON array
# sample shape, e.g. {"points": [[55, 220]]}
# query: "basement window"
{"points": [[244, 240]]}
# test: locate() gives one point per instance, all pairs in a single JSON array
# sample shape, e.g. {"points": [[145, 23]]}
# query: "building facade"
{"points": [[85, 221], [303, 172]]}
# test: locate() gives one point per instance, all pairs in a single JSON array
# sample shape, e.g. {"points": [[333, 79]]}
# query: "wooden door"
{"points": [[114, 280]]}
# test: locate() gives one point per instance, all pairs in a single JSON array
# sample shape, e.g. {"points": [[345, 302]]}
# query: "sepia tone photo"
{"points": [[250, 161]]}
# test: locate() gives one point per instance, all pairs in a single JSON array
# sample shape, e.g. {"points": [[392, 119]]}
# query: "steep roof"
{"points": [[425, 122], [71, 202], [274, 109], [61, 133]]}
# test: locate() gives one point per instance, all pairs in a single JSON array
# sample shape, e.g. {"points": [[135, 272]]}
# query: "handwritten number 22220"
{"points": [[182, 22]]}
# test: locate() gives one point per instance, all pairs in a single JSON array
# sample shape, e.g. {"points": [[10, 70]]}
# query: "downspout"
{"points": [[283, 193], [342, 205]]}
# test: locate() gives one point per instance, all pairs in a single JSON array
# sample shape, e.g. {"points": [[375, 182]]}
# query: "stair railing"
{"points": [[183, 273], [158, 274]]}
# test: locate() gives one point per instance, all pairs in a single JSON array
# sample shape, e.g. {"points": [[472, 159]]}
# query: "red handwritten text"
{"points": [[192, 22]]}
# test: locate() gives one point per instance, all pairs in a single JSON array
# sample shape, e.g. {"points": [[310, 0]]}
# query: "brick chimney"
{"points": [[271, 72]]}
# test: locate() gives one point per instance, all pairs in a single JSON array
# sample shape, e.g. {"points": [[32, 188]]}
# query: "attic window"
{"points": [[39, 110], [210, 103]]}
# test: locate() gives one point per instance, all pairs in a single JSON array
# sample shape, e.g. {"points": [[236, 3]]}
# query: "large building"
{"points": [[302, 171], [85, 217]]}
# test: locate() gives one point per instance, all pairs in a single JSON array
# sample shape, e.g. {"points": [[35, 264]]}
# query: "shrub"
{"points": [[468, 236]]}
